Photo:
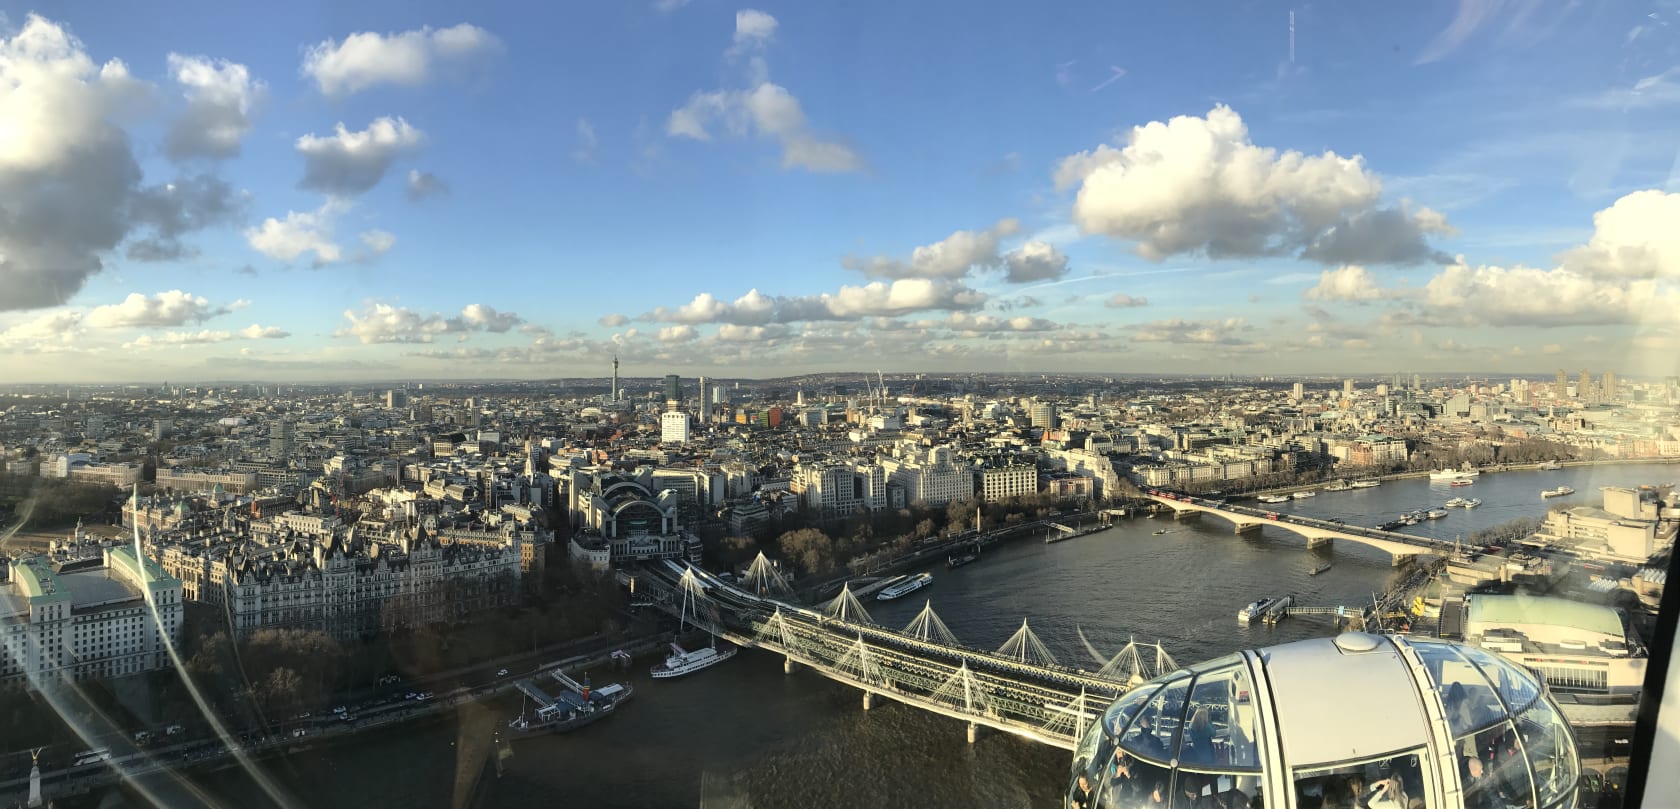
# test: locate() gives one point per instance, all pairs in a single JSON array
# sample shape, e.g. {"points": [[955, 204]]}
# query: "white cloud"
{"points": [[1198, 185], [1210, 332], [172, 308], [753, 28], [902, 296], [368, 59], [67, 173], [480, 316], [585, 151], [1636, 237], [383, 323], [1525, 296], [221, 99], [179, 338], [348, 163], [1659, 90], [668, 6], [52, 329], [423, 184], [613, 321], [299, 233], [952, 257], [1121, 300], [1035, 261], [766, 110], [733, 333], [377, 242], [677, 334], [259, 332], [1349, 283]]}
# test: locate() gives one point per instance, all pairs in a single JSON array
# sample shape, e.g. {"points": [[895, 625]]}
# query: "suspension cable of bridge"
{"points": [[764, 580], [928, 628], [847, 608], [1025, 647]]}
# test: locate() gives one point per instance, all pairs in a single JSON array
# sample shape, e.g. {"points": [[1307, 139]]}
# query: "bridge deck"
{"points": [[1244, 515]]}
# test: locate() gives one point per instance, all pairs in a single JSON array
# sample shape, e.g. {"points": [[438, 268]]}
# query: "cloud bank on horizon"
{"points": [[426, 197]]}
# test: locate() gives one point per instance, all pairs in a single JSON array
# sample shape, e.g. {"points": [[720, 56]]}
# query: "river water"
{"points": [[745, 734]]}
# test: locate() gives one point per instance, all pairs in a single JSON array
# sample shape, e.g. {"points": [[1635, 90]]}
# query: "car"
{"points": [[298, 733], [502, 673], [340, 709], [173, 730], [412, 695], [424, 695]]}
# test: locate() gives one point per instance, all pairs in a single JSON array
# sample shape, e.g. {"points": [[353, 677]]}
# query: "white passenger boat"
{"points": [[1303, 495], [1255, 610], [681, 661], [1365, 483], [905, 587]]}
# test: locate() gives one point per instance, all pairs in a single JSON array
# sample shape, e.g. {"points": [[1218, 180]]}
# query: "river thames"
{"points": [[744, 734]]}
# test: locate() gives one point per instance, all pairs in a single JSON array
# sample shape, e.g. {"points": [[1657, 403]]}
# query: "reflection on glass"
{"points": [[1518, 688], [1470, 702], [1551, 751], [1220, 729], [1151, 733], [1389, 782], [1493, 770]]}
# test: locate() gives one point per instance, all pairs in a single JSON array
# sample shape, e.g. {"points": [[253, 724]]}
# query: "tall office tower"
{"points": [[280, 439], [673, 388], [1560, 388], [705, 404], [1417, 382], [1382, 389], [1607, 388], [1298, 392], [615, 379], [1043, 414], [1347, 387], [799, 397], [1583, 388], [395, 399]]}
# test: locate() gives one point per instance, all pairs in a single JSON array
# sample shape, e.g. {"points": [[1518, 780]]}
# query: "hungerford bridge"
{"points": [[1020, 688], [1404, 547]]}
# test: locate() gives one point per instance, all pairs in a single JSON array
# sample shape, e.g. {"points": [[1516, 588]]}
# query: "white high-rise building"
{"points": [[673, 427], [106, 621], [1298, 392]]}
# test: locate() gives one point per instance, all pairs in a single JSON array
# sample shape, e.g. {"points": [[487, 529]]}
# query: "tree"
{"points": [[809, 548]]}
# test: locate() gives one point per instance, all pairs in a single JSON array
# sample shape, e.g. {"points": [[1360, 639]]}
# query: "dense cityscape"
{"points": [[382, 545]]}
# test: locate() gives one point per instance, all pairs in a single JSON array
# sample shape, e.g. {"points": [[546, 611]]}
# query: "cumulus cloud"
{"points": [[52, 329], [762, 109], [67, 173], [1636, 237], [480, 316], [952, 257], [1525, 296], [1349, 283], [677, 334], [976, 324], [299, 233], [423, 184], [377, 242], [348, 163], [902, 296], [383, 323], [172, 308], [1207, 332], [174, 209], [1199, 185], [613, 321], [1121, 300], [1035, 261], [733, 333], [221, 100], [368, 59], [260, 332], [179, 338]]}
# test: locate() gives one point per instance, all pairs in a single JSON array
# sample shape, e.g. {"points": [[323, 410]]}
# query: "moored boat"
{"points": [[1561, 491], [1472, 503], [575, 707], [1550, 466], [1338, 486], [1273, 498], [1303, 495], [1255, 609], [681, 661], [1463, 482], [1436, 514], [906, 587], [1365, 483]]}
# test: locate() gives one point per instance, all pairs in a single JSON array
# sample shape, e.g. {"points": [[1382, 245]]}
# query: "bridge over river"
{"points": [[1404, 547], [1019, 688]]}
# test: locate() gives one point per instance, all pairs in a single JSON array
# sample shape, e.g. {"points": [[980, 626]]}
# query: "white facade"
{"points": [[1008, 481], [673, 428], [89, 622]]}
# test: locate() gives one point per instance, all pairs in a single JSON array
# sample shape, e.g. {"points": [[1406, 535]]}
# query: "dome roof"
{"points": [[1331, 721]]}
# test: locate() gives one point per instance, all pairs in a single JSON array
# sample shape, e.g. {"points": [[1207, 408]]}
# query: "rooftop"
{"points": [[1526, 609]]}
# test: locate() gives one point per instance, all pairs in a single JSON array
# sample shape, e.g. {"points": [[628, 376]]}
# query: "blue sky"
{"points": [[521, 190]]}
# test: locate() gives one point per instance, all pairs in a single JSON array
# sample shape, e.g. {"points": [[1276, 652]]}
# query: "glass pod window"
{"points": [[1393, 781]]}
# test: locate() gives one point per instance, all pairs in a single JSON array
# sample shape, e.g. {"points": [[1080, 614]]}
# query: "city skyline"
{"points": [[389, 193]]}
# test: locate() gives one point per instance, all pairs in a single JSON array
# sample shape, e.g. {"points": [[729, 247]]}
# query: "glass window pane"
{"points": [[1134, 784], [1516, 685], [1151, 733], [1390, 782], [1219, 731], [1493, 770], [1470, 702], [1550, 749], [1121, 712]]}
